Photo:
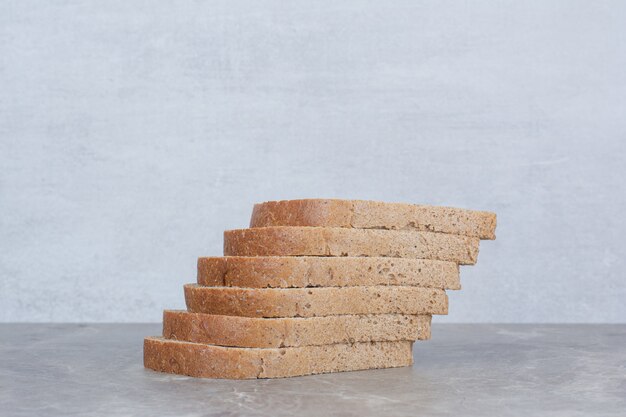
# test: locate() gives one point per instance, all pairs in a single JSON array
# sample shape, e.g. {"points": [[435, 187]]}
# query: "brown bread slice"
{"points": [[316, 271], [313, 302], [374, 215], [208, 361], [327, 241], [292, 332]]}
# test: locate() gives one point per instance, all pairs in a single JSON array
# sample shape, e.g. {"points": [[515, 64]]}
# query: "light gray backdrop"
{"points": [[134, 132]]}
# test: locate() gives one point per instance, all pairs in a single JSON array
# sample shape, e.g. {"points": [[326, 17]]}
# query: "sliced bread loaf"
{"points": [[287, 332], [316, 271], [312, 302], [374, 215], [327, 241], [208, 361]]}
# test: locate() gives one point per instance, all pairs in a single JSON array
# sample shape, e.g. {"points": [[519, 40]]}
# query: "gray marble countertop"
{"points": [[465, 370]]}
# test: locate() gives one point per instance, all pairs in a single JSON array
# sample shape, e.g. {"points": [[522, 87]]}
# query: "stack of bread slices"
{"points": [[316, 286]]}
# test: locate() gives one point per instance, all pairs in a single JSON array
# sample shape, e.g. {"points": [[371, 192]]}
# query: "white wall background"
{"points": [[133, 133]]}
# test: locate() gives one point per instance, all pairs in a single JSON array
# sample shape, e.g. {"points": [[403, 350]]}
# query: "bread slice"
{"points": [[374, 215], [315, 271], [287, 332], [208, 361], [314, 302], [327, 241]]}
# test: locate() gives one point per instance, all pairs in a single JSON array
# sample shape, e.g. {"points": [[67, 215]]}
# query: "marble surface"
{"points": [[132, 133], [469, 370]]}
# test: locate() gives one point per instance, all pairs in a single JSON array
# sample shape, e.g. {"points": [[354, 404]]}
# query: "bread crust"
{"points": [[314, 302], [208, 361], [363, 214], [316, 271], [292, 332], [335, 241]]}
